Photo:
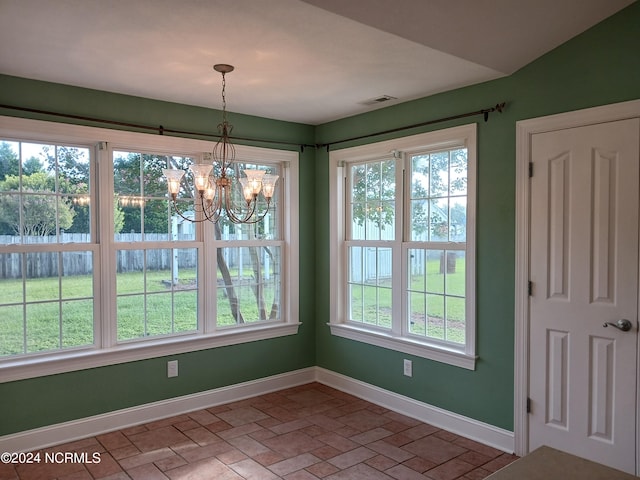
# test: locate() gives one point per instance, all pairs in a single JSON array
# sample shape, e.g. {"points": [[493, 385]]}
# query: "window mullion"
{"points": [[105, 320], [208, 265], [398, 267]]}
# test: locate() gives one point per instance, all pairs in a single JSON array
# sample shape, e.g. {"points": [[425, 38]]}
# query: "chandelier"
{"points": [[214, 196]]}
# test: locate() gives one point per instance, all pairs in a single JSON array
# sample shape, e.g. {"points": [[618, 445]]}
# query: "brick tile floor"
{"points": [[301, 433]]}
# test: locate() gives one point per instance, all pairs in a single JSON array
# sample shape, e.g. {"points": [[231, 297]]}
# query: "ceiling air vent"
{"points": [[376, 100]]}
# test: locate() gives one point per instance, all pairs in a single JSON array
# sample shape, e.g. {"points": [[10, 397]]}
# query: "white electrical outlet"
{"points": [[408, 368], [172, 368]]}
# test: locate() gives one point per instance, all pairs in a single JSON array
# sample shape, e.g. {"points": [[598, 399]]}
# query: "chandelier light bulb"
{"points": [[173, 180]]}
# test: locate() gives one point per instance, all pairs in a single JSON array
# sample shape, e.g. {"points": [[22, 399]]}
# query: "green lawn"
{"points": [[58, 312], [436, 301]]}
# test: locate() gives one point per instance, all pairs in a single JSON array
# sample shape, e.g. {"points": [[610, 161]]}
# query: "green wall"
{"points": [[52, 399], [598, 67]]}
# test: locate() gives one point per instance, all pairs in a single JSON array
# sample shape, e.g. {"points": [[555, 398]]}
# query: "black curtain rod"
{"points": [[159, 129], [484, 112]]}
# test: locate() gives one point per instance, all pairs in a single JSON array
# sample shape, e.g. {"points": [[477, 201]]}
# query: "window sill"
{"points": [[404, 345], [42, 365]]}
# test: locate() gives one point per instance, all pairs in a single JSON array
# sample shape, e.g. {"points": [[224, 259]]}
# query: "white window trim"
{"points": [[110, 353], [392, 340]]}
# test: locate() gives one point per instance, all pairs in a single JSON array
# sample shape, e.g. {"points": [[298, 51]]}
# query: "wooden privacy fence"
{"points": [[52, 264]]}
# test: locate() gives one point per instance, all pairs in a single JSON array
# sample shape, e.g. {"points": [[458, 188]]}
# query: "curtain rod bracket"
{"points": [[498, 108]]}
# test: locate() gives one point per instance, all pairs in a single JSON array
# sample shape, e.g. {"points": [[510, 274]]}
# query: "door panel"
{"points": [[584, 269]]}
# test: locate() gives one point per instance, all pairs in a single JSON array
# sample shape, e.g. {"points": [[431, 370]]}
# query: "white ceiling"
{"points": [[308, 61]]}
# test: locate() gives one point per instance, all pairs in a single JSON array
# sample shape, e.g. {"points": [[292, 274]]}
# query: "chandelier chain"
{"points": [[224, 99]]}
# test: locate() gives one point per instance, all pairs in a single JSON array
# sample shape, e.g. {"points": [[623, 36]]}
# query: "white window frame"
{"points": [[395, 338], [106, 350]]}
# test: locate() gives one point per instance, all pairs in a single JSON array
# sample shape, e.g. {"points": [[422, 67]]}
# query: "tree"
{"points": [[33, 212], [374, 193], [9, 161], [137, 177], [435, 177], [31, 165], [72, 168]]}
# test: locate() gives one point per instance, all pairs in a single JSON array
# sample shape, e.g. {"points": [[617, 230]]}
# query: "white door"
{"points": [[584, 273]]}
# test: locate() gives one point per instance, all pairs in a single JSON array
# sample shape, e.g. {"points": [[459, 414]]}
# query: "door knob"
{"points": [[622, 324]]}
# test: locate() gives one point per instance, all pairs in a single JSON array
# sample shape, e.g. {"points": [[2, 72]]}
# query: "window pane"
{"points": [[158, 309], [356, 264], [42, 282], [157, 221], [435, 270], [384, 307], [80, 229], [370, 304], [77, 278], [43, 326], [435, 316], [130, 311], [73, 173], [129, 268], [458, 219], [455, 272], [420, 176], [185, 306], [370, 285], [248, 284], [12, 331], [458, 172], [373, 200], [419, 220], [38, 214], [417, 313], [182, 228], [439, 174], [356, 310], [436, 294], [439, 220], [126, 174], [77, 323], [11, 286], [455, 320]]}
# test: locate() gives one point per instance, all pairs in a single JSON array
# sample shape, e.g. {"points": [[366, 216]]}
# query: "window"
{"points": [[97, 267], [403, 231], [47, 263]]}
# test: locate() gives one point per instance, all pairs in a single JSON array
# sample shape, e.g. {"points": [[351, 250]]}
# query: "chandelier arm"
{"points": [[181, 214], [212, 213], [231, 209], [249, 214]]}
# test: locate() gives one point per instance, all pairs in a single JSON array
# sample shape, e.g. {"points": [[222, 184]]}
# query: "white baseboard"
{"points": [[35, 439], [453, 422]]}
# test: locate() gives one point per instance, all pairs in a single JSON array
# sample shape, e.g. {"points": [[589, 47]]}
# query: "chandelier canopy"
{"points": [[213, 196]]}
